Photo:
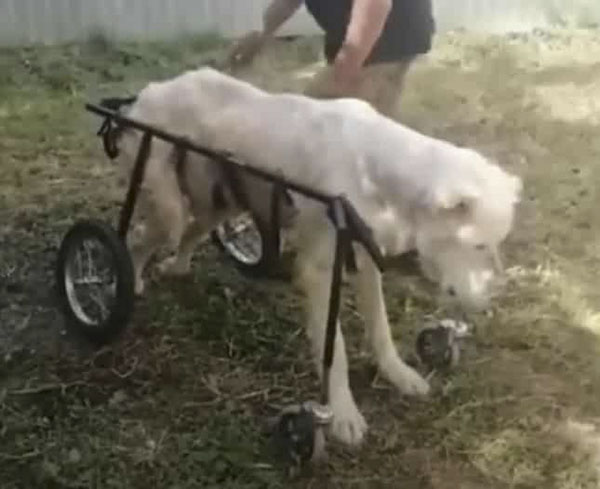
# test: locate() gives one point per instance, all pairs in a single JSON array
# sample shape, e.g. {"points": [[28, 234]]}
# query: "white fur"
{"points": [[416, 192]]}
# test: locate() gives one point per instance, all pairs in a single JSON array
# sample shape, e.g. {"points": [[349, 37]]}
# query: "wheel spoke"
{"points": [[79, 264], [91, 282], [97, 298], [88, 281]]}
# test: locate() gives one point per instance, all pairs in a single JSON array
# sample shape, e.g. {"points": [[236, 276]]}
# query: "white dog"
{"points": [[416, 193]]}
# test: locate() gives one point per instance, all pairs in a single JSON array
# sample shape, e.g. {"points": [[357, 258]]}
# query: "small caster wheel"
{"points": [[438, 345], [299, 435], [245, 240], [95, 281]]}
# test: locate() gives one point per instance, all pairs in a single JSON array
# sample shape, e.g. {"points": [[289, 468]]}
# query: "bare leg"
{"points": [[381, 85], [392, 87], [321, 85], [371, 305]]}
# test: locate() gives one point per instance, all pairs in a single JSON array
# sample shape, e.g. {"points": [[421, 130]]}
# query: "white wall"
{"points": [[54, 21], [515, 15]]}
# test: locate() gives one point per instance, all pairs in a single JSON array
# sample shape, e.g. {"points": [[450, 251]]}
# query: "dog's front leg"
{"points": [[371, 305], [314, 279]]}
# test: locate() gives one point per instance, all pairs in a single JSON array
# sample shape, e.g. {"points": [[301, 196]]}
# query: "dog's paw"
{"points": [[348, 425], [173, 267], [411, 383], [406, 379]]}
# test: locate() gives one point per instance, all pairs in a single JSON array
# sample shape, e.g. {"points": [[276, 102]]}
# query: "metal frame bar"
{"points": [[135, 183], [221, 156], [348, 224]]}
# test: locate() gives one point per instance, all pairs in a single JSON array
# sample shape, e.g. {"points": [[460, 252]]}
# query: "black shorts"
{"points": [[408, 30]]}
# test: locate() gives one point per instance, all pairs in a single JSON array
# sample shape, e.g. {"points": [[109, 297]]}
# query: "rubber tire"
{"points": [[120, 316], [268, 264]]}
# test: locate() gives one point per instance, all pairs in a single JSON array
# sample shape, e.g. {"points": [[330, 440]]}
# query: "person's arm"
{"points": [[275, 15], [367, 20], [366, 24]]}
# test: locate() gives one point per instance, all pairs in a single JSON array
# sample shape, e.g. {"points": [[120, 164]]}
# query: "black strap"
{"points": [[342, 247], [275, 227], [232, 178], [358, 231], [110, 130], [180, 154], [362, 233]]}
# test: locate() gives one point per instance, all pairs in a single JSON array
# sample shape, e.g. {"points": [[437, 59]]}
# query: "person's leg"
{"points": [[321, 85], [381, 85]]}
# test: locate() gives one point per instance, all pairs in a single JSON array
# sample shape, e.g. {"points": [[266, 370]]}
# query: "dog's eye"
{"points": [[481, 247]]}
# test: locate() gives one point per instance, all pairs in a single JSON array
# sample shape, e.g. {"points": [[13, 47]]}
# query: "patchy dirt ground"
{"points": [[179, 401]]}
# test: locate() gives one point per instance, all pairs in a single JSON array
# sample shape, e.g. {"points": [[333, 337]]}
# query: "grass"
{"points": [[180, 401]]}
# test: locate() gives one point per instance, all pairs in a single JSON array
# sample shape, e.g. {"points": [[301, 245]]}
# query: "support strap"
{"points": [[342, 245], [232, 178], [180, 160], [109, 133], [110, 130], [349, 227], [275, 224]]}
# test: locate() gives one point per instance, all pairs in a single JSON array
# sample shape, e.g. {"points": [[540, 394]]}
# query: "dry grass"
{"points": [[179, 401]]}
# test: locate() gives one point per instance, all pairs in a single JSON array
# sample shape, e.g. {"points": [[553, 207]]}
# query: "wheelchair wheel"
{"points": [[245, 240], [95, 281]]}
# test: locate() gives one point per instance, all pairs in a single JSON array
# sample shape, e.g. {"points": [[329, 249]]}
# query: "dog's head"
{"points": [[468, 212]]}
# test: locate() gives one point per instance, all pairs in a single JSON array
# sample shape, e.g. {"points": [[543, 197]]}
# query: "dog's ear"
{"points": [[455, 197], [515, 185]]}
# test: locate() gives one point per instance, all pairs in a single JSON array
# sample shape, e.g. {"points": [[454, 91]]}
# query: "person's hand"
{"points": [[246, 48], [347, 68]]}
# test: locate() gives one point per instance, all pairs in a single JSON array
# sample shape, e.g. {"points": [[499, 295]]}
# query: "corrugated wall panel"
{"points": [[55, 21]]}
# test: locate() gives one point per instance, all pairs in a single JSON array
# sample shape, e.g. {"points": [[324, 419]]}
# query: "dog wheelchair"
{"points": [[95, 275]]}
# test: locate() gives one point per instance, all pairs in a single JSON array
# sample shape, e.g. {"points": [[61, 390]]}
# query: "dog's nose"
{"points": [[451, 291]]}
